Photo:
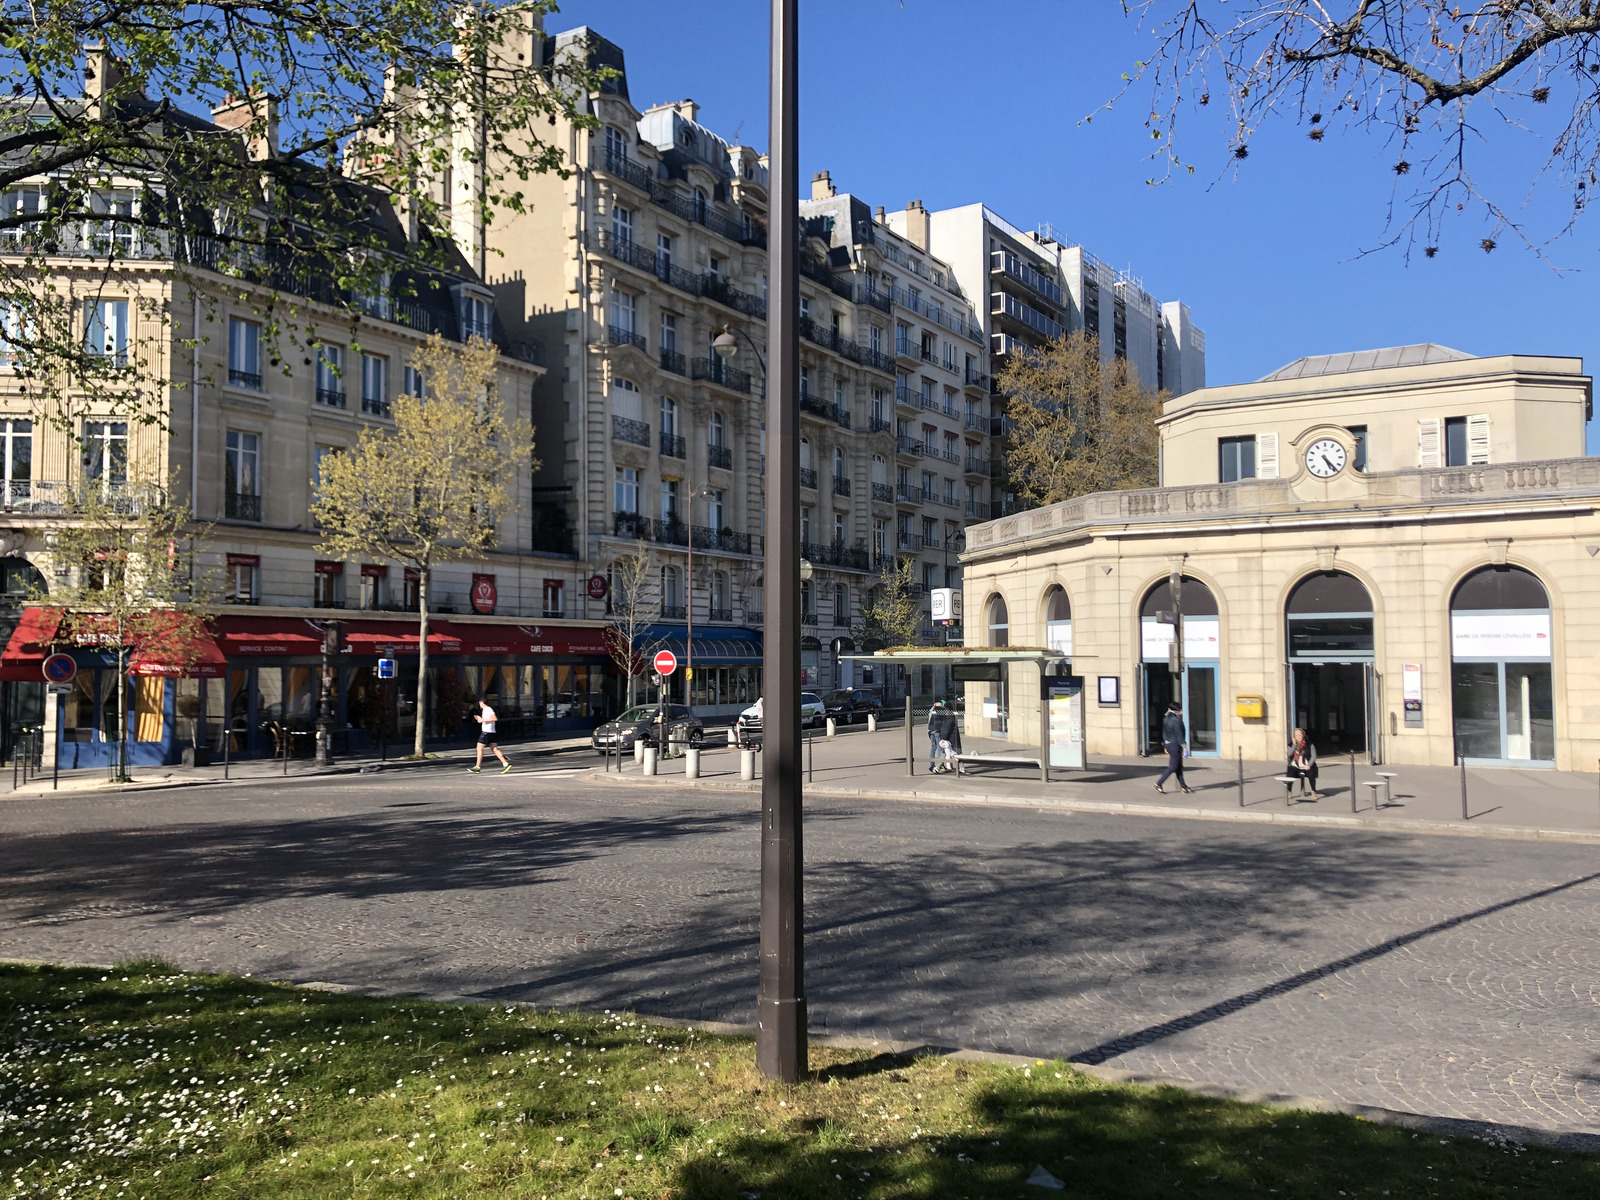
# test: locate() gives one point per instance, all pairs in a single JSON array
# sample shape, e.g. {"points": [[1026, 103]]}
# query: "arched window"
{"points": [[1197, 685], [721, 608], [719, 433], [999, 624], [840, 466], [626, 400], [671, 593], [841, 605], [805, 453], [880, 470], [669, 417], [1328, 620], [1501, 649], [1057, 620], [1330, 615]]}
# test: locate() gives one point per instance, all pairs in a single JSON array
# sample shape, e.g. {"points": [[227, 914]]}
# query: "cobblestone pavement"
{"points": [[1436, 975]]}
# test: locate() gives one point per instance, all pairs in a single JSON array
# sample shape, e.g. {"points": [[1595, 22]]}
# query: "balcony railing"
{"points": [[719, 372], [977, 466], [1027, 275], [978, 510], [720, 456], [672, 612], [626, 429], [851, 558], [976, 379], [928, 401], [975, 421], [950, 456], [904, 347], [239, 507], [672, 361], [246, 379], [713, 287], [377, 406], [808, 477], [930, 351], [616, 335], [1007, 305], [818, 407], [830, 339], [330, 397], [754, 616], [906, 494], [706, 538], [883, 493], [649, 529], [841, 486], [866, 293], [720, 615], [672, 446], [744, 229], [904, 395], [907, 445], [878, 425]]}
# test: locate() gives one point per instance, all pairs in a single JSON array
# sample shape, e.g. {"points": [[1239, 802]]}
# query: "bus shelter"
{"points": [[1061, 700]]}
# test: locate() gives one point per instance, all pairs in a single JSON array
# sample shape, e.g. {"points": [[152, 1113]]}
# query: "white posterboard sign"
{"points": [[1202, 638], [1066, 723], [991, 706], [1058, 636], [1516, 637], [1411, 681]]}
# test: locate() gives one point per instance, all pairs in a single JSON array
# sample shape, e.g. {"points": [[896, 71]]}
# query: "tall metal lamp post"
{"points": [[330, 650], [780, 1002]]}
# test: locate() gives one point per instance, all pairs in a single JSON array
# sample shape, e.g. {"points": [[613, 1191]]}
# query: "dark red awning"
{"points": [[374, 637], [183, 650], [528, 639], [30, 643], [275, 636]]}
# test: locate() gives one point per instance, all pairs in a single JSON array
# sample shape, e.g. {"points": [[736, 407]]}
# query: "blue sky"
{"points": [[952, 103]]}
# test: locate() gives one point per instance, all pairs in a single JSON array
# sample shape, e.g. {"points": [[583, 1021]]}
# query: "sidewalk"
{"points": [[1501, 802], [91, 780]]}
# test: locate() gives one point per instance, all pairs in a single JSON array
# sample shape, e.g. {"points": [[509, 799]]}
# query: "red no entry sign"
{"points": [[666, 662]]}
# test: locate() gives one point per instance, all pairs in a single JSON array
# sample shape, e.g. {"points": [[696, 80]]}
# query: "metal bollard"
{"points": [[872, 722], [747, 764], [810, 759], [833, 727], [691, 763], [1352, 781], [1241, 777], [1464, 815], [649, 760]]}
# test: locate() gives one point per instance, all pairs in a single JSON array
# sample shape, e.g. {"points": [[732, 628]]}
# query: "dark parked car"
{"points": [[848, 706], [644, 722]]}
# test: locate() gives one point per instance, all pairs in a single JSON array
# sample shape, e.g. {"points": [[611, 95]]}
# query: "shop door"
{"points": [[1504, 712], [1199, 700], [1331, 702]]}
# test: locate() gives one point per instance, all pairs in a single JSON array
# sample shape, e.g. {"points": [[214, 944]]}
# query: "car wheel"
{"points": [[697, 736]]}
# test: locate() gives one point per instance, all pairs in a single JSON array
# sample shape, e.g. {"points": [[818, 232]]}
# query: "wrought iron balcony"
{"points": [[672, 612], [950, 456], [977, 466], [672, 361], [720, 456], [330, 397], [721, 615], [672, 446], [706, 538], [377, 406], [626, 429], [908, 445], [818, 407], [883, 492], [616, 335], [978, 510], [904, 347], [754, 616], [928, 401], [240, 507], [716, 371], [247, 379], [808, 477], [975, 421], [879, 425], [713, 287], [976, 379], [841, 486]]}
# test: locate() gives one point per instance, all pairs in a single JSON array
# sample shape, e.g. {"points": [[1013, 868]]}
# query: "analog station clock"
{"points": [[1325, 458]]}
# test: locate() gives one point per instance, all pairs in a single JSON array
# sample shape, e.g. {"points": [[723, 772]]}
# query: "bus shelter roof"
{"points": [[973, 654]]}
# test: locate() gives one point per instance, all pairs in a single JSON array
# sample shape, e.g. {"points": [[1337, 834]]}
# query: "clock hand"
{"points": [[1331, 467]]}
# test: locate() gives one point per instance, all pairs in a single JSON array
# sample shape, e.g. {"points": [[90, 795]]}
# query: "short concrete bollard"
{"points": [[733, 737], [872, 722], [638, 751], [691, 763], [747, 764], [649, 760], [833, 727]]}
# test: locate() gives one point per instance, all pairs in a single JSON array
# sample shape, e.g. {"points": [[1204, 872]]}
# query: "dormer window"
{"points": [[477, 317]]}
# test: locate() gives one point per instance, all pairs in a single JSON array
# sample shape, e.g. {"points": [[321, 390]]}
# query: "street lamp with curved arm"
{"points": [[726, 347]]}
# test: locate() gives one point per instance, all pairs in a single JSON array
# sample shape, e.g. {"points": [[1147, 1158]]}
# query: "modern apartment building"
{"points": [[628, 269], [1033, 287], [242, 423]]}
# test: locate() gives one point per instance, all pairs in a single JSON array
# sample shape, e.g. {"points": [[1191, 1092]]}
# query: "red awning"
{"points": [[268, 635], [373, 637], [179, 651], [528, 639], [31, 641]]}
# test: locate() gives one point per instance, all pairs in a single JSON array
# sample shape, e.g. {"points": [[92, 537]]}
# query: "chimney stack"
{"points": [[257, 116], [879, 215], [822, 186], [917, 224]]}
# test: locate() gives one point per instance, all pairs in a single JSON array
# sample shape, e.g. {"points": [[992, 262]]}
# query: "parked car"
{"points": [[643, 722], [748, 726], [849, 705]]}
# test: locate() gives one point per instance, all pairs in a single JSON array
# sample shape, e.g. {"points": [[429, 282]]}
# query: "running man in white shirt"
{"points": [[486, 718]]}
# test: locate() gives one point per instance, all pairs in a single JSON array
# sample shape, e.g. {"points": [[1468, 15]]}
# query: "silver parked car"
{"points": [[643, 722]]}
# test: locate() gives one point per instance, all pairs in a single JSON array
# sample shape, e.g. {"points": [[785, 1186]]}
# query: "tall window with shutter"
{"points": [[1430, 438], [1478, 439]]}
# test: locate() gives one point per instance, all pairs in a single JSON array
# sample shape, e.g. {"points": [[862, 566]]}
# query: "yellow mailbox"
{"points": [[1250, 706]]}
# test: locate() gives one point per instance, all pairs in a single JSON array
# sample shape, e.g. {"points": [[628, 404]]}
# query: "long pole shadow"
{"points": [[1215, 1012]]}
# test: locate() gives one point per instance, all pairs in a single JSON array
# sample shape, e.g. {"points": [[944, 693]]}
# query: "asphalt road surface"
{"points": [[1448, 976]]}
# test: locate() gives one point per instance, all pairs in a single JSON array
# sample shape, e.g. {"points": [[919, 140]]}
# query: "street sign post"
{"points": [[60, 668], [666, 662]]}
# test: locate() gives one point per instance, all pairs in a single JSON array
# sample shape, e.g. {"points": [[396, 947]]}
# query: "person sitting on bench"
{"points": [[1303, 762]]}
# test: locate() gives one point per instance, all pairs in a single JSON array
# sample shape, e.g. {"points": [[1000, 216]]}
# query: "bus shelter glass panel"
{"points": [[1501, 687], [1197, 685]]}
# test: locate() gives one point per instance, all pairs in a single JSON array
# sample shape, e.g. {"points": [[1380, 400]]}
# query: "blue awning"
{"points": [[716, 646]]}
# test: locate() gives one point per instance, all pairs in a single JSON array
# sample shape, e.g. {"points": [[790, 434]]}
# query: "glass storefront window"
{"points": [[110, 707], [77, 709]]}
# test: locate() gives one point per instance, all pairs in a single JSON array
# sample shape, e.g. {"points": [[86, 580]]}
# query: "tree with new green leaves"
{"points": [[125, 580], [432, 490], [309, 150], [891, 614], [1082, 424]]}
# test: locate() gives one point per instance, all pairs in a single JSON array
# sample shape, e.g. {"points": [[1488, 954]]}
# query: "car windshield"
{"points": [[810, 698], [636, 714]]}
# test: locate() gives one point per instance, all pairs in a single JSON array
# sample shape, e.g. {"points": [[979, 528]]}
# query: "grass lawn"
{"points": [[147, 1082]]}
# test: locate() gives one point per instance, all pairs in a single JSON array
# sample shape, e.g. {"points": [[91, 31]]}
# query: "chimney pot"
{"points": [[822, 186]]}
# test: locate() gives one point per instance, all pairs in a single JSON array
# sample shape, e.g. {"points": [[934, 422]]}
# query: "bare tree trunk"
{"points": [[422, 661], [122, 709]]}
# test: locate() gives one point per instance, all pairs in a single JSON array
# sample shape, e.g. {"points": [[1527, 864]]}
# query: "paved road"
{"points": [[1437, 975]]}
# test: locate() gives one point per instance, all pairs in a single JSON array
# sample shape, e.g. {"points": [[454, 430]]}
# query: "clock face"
{"points": [[1325, 458]]}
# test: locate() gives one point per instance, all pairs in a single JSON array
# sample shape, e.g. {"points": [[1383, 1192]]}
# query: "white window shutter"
{"points": [[1478, 439], [1429, 442], [1266, 456]]}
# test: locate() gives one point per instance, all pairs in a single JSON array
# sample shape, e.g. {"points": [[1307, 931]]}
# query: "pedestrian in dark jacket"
{"points": [[933, 733], [1174, 740], [949, 738], [1302, 764]]}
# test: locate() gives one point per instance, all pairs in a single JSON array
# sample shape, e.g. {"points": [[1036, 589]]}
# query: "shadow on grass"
{"points": [[1118, 1143]]}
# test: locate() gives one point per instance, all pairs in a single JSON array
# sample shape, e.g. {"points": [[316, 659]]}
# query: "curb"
{"points": [[1129, 809]]}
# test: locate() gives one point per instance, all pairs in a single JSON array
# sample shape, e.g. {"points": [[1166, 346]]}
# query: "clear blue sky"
{"points": [[952, 103]]}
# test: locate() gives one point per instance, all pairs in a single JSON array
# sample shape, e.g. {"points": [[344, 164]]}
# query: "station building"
{"points": [[1397, 549]]}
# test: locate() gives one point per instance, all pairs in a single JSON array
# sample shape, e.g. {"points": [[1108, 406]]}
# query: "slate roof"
{"points": [[1418, 355]]}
